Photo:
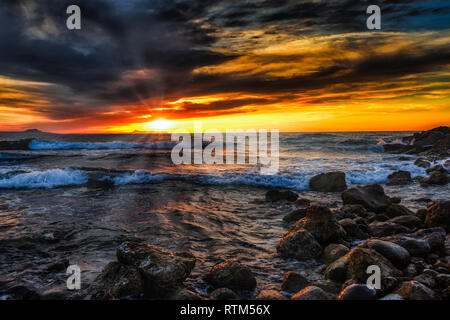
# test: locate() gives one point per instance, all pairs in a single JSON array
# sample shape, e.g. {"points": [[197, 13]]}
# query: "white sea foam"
{"points": [[44, 179]]}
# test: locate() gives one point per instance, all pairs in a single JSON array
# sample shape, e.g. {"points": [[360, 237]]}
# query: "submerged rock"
{"points": [[161, 270], [371, 197], [277, 195], [231, 274], [328, 182], [300, 245]]}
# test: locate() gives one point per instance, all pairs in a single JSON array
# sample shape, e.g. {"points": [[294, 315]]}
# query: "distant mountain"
{"points": [[33, 131]]}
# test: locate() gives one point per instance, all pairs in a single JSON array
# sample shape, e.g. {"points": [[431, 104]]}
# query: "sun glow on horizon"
{"points": [[159, 125]]}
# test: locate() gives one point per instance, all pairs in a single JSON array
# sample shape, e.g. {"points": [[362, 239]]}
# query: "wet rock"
{"points": [[185, 295], [396, 254], [426, 279], [396, 200], [422, 163], [414, 290], [294, 282], [443, 280], [322, 224], [223, 294], [439, 215], [333, 252], [337, 271], [231, 274], [300, 245], [328, 182], [100, 184], [116, 281], [436, 178], [399, 178], [421, 214], [381, 218], [387, 285], [328, 286], [410, 270], [357, 292], [162, 271], [415, 247], [434, 236], [295, 215], [437, 168], [371, 197], [383, 229], [359, 259], [397, 210], [270, 295], [408, 221], [311, 293], [354, 209], [352, 229], [302, 202], [277, 195]]}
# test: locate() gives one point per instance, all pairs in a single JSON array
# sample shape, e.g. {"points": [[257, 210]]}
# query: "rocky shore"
{"points": [[412, 249], [367, 228]]}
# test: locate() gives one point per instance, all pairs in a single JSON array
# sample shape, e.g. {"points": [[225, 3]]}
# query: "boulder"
{"points": [[415, 247], [302, 202], [352, 229], [333, 252], [337, 271], [399, 178], [408, 221], [116, 281], [231, 274], [434, 236], [294, 282], [396, 254], [357, 292], [277, 195], [328, 286], [422, 163], [322, 224], [354, 210], [359, 259], [161, 270], [223, 294], [439, 215], [300, 245], [414, 290], [383, 229], [371, 197], [397, 210], [328, 182], [270, 295], [436, 178], [295, 215], [311, 293]]}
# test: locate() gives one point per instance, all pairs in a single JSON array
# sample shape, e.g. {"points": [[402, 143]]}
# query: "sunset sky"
{"points": [[308, 65]]}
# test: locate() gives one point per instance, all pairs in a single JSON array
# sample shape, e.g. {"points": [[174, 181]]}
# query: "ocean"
{"points": [[77, 197]]}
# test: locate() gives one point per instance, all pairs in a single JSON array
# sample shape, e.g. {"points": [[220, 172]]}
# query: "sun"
{"points": [[159, 125]]}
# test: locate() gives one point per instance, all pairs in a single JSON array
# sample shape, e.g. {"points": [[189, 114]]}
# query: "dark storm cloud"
{"points": [[86, 68]]}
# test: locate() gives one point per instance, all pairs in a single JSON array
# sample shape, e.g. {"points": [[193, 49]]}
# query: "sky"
{"points": [[302, 66]]}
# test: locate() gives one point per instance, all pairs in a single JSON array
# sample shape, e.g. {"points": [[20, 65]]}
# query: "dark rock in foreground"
{"points": [[439, 215], [231, 274], [357, 292], [300, 245]]}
